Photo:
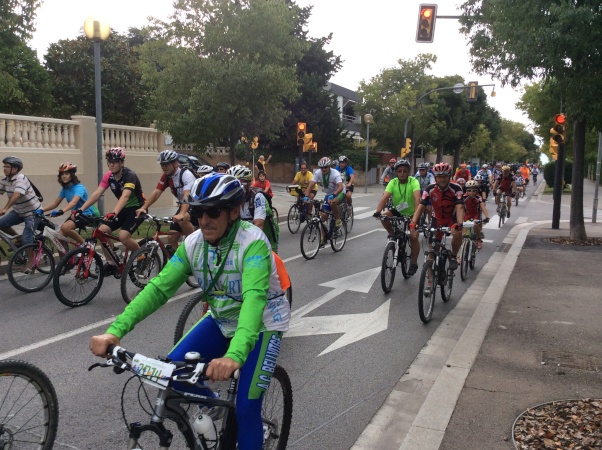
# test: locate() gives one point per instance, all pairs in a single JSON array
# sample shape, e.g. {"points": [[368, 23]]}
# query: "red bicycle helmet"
{"points": [[442, 169], [115, 154], [393, 160], [67, 167]]}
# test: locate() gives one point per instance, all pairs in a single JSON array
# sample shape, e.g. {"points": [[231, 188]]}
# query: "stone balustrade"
{"points": [[36, 132]]}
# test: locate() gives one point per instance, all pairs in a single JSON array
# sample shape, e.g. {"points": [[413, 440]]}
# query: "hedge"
{"points": [[549, 172]]}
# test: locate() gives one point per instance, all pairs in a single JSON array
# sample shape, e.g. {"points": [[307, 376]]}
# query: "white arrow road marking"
{"points": [[354, 327]]}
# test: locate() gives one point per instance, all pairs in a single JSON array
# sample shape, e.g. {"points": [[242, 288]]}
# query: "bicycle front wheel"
{"points": [[310, 240], [31, 275], [29, 409], [427, 290], [404, 258], [193, 311], [387, 271], [293, 220], [446, 278], [338, 239], [473, 255], [348, 219], [277, 411], [143, 265], [275, 214], [78, 277], [465, 252], [516, 197]]}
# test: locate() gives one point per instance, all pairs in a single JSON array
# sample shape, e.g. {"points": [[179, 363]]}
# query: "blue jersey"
{"points": [[80, 191], [345, 173]]}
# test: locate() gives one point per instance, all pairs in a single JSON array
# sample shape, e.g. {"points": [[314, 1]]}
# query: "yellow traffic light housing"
{"points": [[553, 148], [425, 31], [254, 142], [307, 142], [314, 147], [472, 92], [301, 130]]}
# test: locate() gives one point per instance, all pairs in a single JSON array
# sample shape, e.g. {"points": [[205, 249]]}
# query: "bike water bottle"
{"points": [[203, 425]]}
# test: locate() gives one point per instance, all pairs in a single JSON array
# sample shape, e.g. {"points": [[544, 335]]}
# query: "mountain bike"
{"points": [[32, 266], [347, 215], [502, 210], [297, 213], [29, 409], [316, 233], [79, 274], [397, 252], [202, 420], [468, 251], [10, 241], [435, 272], [146, 262]]}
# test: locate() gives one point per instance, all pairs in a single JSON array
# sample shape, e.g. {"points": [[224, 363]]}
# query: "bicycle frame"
{"points": [[104, 238], [10, 241]]}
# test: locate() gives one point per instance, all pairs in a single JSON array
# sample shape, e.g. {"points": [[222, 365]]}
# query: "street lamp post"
{"points": [[97, 30], [368, 119]]}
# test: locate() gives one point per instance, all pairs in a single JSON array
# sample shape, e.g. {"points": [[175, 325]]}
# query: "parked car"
{"points": [[192, 162]]}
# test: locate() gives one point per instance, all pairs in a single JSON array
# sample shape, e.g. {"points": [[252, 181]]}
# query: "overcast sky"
{"points": [[368, 35]]}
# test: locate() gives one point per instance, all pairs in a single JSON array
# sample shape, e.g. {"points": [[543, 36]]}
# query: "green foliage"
{"points": [[357, 159], [70, 64], [549, 172], [17, 17]]}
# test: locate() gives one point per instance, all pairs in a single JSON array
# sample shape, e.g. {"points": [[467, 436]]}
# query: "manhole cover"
{"points": [[573, 360]]}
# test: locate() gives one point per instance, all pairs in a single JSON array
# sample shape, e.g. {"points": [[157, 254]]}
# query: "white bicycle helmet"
{"points": [[324, 162], [167, 156], [240, 172], [204, 169], [472, 184], [478, 178]]}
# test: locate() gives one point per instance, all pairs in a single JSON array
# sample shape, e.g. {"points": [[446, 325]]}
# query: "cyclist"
{"points": [[76, 195], [203, 170], [505, 183], [257, 207], [23, 200], [526, 173], [179, 180], [462, 172], [461, 182], [474, 207], [126, 187], [535, 172], [425, 178], [448, 207], [263, 183], [486, 180], [332, 186], [347, 175], [302, 178], [222, 167], [520, 182], [249, 311], [405, 191], [388, 173]]}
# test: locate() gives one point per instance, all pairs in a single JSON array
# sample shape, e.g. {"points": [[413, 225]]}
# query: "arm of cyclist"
{"points": [[93, 197], [338, 190], [183, 214], [381, 203], [485, 212], [11, 201], [310, 186], [152, 198]]}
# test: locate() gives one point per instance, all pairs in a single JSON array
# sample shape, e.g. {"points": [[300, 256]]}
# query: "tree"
{"points": [[551, 40], [70, 63], [227, 67], [17, 17]]}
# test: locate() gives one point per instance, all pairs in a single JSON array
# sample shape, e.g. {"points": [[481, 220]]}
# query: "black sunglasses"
{"points": [[213, 213]]}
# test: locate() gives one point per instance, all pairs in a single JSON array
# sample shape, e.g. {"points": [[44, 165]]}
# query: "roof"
{"points": [[343, 92]]}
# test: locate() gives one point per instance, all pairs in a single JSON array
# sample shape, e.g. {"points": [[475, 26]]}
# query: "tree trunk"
{"points": [[577, 228], [456, 160], [440, 153]]}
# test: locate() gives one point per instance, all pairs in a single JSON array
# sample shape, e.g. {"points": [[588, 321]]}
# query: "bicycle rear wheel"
{"points": [[387, 271], [142, 266], [277, 411], [293, 220], [40, 272], [310, 240], [29, 409], [77, 278], [427, 290], [516, 197], [465, 252], [338, 239], [193, 311], [275, 214]]}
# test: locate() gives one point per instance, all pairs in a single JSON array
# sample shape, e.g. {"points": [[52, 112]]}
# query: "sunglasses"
{"points": [[471, 190], [402, 171], [213, 213]]}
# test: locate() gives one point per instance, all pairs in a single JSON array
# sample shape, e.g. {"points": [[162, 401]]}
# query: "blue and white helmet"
{"points": [[216, 190], [167, 156]]}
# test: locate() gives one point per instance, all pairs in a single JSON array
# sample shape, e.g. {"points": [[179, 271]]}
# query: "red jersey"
{"points": [[505, 183], [472, 206], [443, 201], [462, 173]]}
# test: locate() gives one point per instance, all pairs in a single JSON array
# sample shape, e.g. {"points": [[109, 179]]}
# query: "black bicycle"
{"points": [[316, 233], [397, 252], [29, 409], [435, 272], [204, 420]]}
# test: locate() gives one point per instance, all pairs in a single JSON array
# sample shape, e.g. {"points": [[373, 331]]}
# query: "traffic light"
{"points": [[314, 147], [405, 151], [254, 142], [307, 141], [554, 149], [558, 132], [301, 129], [425, 31], [471, 97]]}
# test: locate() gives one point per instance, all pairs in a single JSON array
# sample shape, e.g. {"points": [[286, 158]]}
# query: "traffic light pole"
{"points": [[558, 178]]}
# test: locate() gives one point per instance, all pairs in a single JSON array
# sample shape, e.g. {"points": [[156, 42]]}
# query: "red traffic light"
{"points": [[427, 13], [425, 31], [560, 119]]}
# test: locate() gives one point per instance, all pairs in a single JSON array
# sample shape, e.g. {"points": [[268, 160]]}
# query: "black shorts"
{"points": [[126, 220], [350, 189], [82, 221]]}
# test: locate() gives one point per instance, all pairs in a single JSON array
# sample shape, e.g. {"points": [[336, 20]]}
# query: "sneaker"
{"points": [[337, 224], [453, 263], [508, 215], [479, 244], [109, 269], [413, 268]]}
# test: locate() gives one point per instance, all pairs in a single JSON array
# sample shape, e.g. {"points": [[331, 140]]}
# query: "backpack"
{"points": [[36, 190], [273, 227]]}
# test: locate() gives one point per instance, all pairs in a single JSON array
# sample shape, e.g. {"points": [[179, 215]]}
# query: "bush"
{"points": [[549, 171], [357, 159]]}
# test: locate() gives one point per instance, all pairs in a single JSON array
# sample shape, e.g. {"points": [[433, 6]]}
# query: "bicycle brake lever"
{"points": [[95, 365]]}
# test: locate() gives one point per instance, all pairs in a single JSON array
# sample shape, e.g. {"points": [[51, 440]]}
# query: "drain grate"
{"points": [[564, 359]]}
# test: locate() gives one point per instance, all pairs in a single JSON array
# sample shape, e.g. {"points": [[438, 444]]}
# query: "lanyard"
{"points": [[326, 180], [404, 190], [220, 269]]}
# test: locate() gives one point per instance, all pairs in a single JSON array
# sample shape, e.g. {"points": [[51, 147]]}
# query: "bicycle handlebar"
{"points": [[167, 220]]}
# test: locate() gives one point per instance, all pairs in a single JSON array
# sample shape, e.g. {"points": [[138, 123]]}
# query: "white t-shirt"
{"points": [[329, 182], [28, 202]]}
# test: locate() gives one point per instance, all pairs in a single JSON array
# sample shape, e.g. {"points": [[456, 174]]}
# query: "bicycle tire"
{"points": [[310, 240], [473, 256], [275, 214], [387, 270], [67, 267], [193, 311], [338, 239], [426, 300], [404, 258], [516, 197], [42, 272], [348, 218], [446, 280], [139, 399], [293, 219], [277, 401], [142, 266], [28, 398], [465, 252]]}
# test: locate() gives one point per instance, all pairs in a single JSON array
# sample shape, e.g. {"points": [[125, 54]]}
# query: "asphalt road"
{"points": [[348, 346]]}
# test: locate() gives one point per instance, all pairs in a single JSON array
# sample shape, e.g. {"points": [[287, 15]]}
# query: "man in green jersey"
{"points": [[405, 192]]}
